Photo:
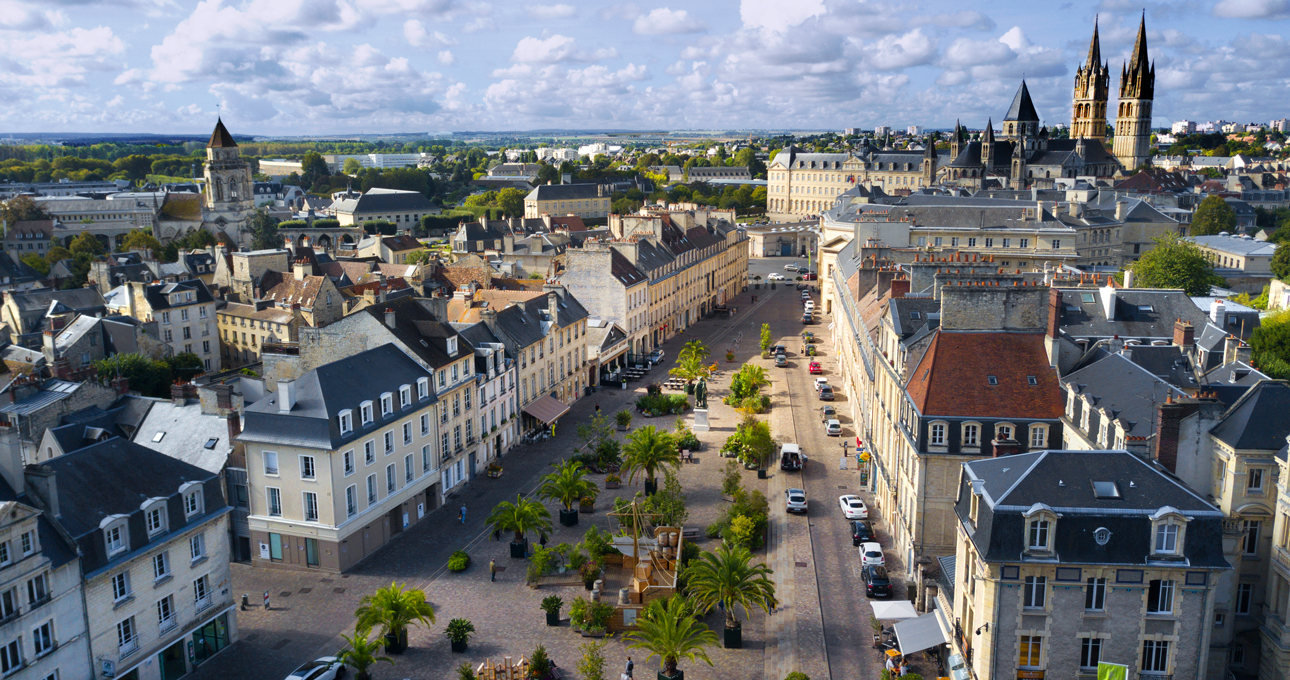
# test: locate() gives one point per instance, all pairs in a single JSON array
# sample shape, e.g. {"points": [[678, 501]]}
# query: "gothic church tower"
{"points": [[228, 198], [1133, 116], [1092, 81]]}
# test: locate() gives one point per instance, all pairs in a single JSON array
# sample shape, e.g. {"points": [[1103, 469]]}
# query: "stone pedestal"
{"points": [[701, 420]]}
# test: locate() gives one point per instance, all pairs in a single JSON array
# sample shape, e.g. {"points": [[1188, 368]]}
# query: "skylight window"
{"points": [[915, 315], [157, 437], [1106, 490], [210, 443], [1032, 380], [1146, 308], [1087, 297], [992, 380]]}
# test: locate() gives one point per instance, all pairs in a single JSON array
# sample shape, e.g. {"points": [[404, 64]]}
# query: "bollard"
{"points": [[246, 601]]}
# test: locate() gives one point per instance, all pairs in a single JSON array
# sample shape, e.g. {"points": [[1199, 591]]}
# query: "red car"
{"points": [[814, 367]]}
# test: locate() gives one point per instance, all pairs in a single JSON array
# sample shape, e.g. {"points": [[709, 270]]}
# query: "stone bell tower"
{"points": [[228, 198], [1132, 144], [1092, 82]]}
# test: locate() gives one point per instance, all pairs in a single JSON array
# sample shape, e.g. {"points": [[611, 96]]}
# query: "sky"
{"points": [[324, 67]]}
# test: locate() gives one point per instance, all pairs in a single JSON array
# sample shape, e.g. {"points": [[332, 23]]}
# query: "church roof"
{"points": [[220, 138], [1022, 109]]}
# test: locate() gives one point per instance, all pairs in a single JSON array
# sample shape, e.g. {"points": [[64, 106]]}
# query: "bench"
{"points": [[689, 534]]}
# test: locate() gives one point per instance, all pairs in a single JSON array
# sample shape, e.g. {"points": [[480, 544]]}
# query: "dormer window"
{"points": [[346, 421], [1169, 533], [116, 537], [154, 516], [405, 396], [193, 501], [1038, 532], [387, 404], [452, 347], [365, 412], [423, 388], [1041, 525]]}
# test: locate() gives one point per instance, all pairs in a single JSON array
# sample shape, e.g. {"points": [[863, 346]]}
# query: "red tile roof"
{"points": [[952, 380]]}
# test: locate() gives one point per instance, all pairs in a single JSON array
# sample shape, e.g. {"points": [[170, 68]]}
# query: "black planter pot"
{"points": [[458, 647], [519, 550], [396, 644], [761, 474], [568, 518], [733, 638], [589, 584], [680, 675], [651, 487], [553, 618]]}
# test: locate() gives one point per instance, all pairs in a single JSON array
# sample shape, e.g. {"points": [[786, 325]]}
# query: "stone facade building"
{"points": [[184, 312], [228, 198]]}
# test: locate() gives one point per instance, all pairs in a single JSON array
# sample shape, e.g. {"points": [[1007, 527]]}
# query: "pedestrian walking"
{"points": [[597, 408], [542, 539], [497, 534], [628, 672], [492, 570], [463, 513]]}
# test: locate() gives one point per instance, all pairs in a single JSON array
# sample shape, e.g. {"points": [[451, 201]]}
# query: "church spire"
{"points": [[1094, 50]]}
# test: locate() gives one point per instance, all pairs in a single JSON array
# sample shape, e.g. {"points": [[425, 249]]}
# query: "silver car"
{"points": [[796, 500]]}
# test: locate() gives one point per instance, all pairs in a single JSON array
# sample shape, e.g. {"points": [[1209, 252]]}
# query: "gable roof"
{"points": [[1258, 420], [952, 378]]}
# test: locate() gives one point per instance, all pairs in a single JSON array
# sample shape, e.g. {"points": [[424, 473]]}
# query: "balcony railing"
{"points": [[167, 624], [129, 647], [204, 603]]}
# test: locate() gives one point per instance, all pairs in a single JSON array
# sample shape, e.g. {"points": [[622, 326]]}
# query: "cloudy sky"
{"points": [[297, 67]]}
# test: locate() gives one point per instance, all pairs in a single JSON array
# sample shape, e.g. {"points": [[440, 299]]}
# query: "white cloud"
{"points": [[417, 35], [555, 49], [964, 19], [899, 52], [1253, 9], [446, 58], [548, 12], [480, 24], [626, 11], [664, 21], [777, 15]]}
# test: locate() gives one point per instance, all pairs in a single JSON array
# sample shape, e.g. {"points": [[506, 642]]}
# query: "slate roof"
{"points": [[622, 269], [901, 312], [383, 201], [30, 230], [1083, 317], [1022, 109], [158, 296], [321, 394], [52, 543], [187, 434], [83, 300], [75, 331], [1063, 481], [417, 329], [1128, 392], [220, 138], [1258, 420], [565, 192], [86, 427], [1235, 245], [951, 380], [1235, 373]]}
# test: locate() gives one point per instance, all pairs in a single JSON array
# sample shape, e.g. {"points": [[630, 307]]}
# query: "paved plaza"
{"points": [[815, 565]]}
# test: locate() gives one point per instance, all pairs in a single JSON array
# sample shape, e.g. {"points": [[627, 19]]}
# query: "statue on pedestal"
{"points": [[701, 394]]}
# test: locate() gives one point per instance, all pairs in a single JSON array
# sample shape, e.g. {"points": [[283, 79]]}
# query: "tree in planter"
{"points": [[459, 632], [623, 418], [568, 485], [520, 517], [667, 503], [551, 604], [578, 612], [690, 361], [730, 479], [598, 614], [539, 664], [648, 450], [466, 672], [729, 578], [669, 630], [592, 664], [394, 609], [765, 337], [592, 433], [362, 654]]}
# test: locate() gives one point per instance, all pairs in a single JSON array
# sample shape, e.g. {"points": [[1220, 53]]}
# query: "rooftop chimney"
{"points": [[1216, 309], [44, 481], [286, 395], [390, 318], [552, 306], [1184, 334], [1120, 209], [899, 288]]}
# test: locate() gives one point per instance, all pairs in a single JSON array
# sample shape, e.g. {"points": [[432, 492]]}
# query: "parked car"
{"points": [[796, 500], [810, 276], [810, 305], [821, 382], [791, 458], [326, 668], [853, 507], [814, 367], [862, 532], [828, 413], [790, 267], [826, 393], [781, 360], [871, 555], [777, 349], [833, 428], [775, 276], [657, 356], [807, 318], [876, 581]]}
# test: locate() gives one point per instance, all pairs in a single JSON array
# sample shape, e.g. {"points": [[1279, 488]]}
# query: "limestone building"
{"points": [[1133, 119], [228, 199]]}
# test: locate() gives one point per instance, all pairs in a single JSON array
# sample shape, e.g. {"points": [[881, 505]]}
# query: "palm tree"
{"points": [[362, 653], [729, 578], [568, 484], [669, 630], [520, 517], [649, 449], [394, 609]]}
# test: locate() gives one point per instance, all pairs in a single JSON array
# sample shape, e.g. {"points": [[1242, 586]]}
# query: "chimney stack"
{"points": [[1184, 334], [1216, 309], [44, 481], [899, 288], [286, 395], [390, 318]]}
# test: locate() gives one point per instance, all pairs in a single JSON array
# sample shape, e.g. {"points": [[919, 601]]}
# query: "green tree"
{"points": [[149, 377], [765, 337], [511, 201], [1175, 263], [1213, 216], [669, 630], [21, 208], [568, 484], [313, 166], [394, 609], [420, 255], [264, 231], [1270, 346], [1281, 262], [362, 654], [185, 366], [668, 503], [135, 166], [138, 239], [520, 517], [729, 578], [690, 361], [352, 166], [648, 450], [86, 243], [592, 664]]}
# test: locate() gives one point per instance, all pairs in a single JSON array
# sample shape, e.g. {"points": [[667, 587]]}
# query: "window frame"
{"points": [[307, 507], [276, 470], [308, 468], [1034, 589], [1095, 594], [1090, 653], [273, 501], [1160, 593], [975, 440], [345, 419], [197, 547], [121, 529], [937, 433], [1034, 658]]}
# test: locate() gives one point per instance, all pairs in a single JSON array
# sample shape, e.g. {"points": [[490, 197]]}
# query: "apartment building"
{"points": [[243, 330], [404, 209], [588, 201], [184, 312], [1068, 559], [1275, 634], [495, 378], [417, 327], [1237, 254], [803, 184], [154, 555], [340, 460], [42, 617], [622, 297]]}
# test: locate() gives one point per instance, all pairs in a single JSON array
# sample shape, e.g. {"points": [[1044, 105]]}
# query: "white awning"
{"points": [[915, 635], [894, 610]]}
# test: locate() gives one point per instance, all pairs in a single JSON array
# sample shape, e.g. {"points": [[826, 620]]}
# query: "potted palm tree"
{"points": [[520, 518], [624, 419], [757, 284], [648, 450], [568, 485], [551, 605], [669, 630], [362, 654], [394, 609], [730, 579], [459, 632]]}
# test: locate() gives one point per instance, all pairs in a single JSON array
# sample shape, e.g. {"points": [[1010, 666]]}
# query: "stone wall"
{"points": [[993, 307]]}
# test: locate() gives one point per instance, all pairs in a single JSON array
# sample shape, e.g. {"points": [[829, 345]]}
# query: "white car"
{"points": [[776, 277], [796, 499], [871, 555], [820, 381], [833, 428], [809, 305], [853, 507], [326, 668], [791, 267]]}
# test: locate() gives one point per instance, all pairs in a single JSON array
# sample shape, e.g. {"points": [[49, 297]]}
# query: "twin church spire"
{"points": [[1132, 141]]}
